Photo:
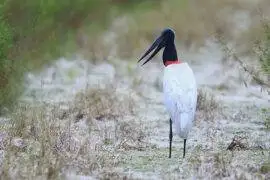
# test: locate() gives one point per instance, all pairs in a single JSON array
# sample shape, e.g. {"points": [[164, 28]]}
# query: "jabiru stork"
{"points": [[179, 87]]}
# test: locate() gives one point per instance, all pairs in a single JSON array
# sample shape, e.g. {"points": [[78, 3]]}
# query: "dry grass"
{"points": [[109, 174], [207, 105], [222, 165], [101, 103], [44, 141], [31, 144], [206, 101]]}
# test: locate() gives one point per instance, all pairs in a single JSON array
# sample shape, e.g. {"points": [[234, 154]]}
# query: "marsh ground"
{"points": [[81, 119]]}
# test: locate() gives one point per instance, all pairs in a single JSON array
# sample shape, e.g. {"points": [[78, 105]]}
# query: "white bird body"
{"points": [[180, 96]]}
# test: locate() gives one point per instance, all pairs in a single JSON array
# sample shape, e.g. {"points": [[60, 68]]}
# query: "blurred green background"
{"points": [[34, 33]]}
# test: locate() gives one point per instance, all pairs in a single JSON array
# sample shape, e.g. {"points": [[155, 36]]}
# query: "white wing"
{"points": [[180, 96]]}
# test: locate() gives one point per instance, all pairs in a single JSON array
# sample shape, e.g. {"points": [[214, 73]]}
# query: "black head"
{"points": [[168, 33], [165, 40]]}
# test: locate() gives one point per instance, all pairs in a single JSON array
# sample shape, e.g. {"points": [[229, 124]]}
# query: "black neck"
{"points": [[169, 53]]}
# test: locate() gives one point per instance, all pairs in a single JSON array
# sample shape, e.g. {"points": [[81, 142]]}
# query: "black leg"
{"points": [[170, 137], [185, 140]]}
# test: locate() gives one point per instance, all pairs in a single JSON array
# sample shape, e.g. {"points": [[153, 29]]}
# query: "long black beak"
{"points": [[158, 44]]}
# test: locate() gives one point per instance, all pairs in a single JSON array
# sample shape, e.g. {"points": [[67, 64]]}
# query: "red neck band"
{"points": [[167, 63]]}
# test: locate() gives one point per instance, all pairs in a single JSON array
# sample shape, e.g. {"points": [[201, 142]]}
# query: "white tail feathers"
{"points": [[183, 125]]}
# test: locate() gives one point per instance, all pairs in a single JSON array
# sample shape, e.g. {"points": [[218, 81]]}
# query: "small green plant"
{"points": [[265, 168], [266, 117], [34, 33], [264, 50]]}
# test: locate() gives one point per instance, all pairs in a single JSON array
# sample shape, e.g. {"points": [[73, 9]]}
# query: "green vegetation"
{"points": [[29, 29], [265, 168], [266, 117], [35, 32], [264, 59], [265, 56]]}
